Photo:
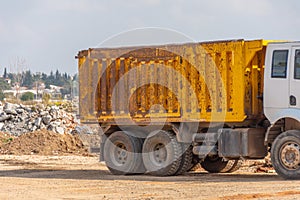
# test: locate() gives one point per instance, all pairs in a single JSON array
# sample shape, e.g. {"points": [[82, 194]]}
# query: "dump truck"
{"points": [[163, 109]]}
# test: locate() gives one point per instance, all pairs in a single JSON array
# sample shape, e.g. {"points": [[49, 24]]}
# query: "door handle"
{"points": [[293, 100]]}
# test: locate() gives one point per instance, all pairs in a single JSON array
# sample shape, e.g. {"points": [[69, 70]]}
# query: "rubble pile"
{"points": [[18, 119]]}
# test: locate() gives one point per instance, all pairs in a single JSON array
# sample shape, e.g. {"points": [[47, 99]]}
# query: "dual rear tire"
{"points": [[160, 154]]}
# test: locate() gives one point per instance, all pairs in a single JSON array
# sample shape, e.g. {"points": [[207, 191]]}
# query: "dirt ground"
{"points": [[83, 177], [47, 165]]}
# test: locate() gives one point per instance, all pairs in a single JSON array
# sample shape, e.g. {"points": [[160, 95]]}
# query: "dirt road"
{"points": [[78, 177]]}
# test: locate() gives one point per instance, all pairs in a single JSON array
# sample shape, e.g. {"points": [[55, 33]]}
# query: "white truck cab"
{"points": [[282, 81], [282, 106]]}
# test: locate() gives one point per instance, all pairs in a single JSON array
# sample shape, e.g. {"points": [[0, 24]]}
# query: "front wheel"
{"points": [[285, 155]]}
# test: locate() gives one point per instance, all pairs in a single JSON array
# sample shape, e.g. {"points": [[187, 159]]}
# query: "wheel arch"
{"points": [[281, 125]]}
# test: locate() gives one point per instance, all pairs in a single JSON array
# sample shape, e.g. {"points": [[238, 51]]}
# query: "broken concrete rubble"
{"points": [[18, 119]]}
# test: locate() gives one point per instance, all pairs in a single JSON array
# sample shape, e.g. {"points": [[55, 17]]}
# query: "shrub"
{"points": [[27, 96], [46, 98]]}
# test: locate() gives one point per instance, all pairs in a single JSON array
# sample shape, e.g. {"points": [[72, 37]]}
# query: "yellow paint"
{"points": [[187, 80]]}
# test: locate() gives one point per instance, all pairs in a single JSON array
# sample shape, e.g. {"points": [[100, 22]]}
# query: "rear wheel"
{"points": [[285, 155], [216, 164], [123, 154], [162, 153], [232, 166], [186, 159]]}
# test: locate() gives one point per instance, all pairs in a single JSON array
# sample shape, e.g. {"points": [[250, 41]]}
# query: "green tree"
{"points": [[27, 96], [4, 85], [12, 77], [5, 73], [28, 79]]}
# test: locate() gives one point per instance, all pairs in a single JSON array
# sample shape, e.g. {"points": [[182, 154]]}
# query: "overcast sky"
{"points": [[47, 34]]}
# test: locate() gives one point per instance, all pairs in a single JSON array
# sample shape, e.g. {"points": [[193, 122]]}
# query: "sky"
{"points": [[46, 35]]}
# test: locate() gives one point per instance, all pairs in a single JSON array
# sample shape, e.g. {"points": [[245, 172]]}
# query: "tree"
{"points": [[28, 79], [27, 96], [4, 85], [5, 73]]}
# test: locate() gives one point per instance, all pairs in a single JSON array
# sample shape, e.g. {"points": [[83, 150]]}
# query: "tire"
{"points": [[232, 166], [123, 154], [195, 163], [285, 155], [162, 153], [186, 159], [216, 164], [213, 164]]}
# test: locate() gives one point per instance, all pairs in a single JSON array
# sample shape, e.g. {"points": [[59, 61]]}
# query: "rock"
{"points": [[51, 128], [9, 111], [19, 110], [43, 126], [29, 126], [10, 106], [19, 119], [38, 121], [33, 128], [43, 113], [54, 107], [83, 130], [60, 130], [1, 125], [55, 123], [5, 117], [47, 119]]}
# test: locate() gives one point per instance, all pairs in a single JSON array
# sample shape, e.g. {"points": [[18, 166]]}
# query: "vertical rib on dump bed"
{"points": [[205, 82]]}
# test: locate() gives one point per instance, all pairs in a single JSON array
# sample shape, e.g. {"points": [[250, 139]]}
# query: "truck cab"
{"points": [[282, 81], [282, 106]]}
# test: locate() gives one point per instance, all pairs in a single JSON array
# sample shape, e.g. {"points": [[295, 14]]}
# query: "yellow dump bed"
{"points": [[205, 82]]}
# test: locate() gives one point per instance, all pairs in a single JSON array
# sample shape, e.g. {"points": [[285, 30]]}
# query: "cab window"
{"points": [[279, 63], [297, 65]]}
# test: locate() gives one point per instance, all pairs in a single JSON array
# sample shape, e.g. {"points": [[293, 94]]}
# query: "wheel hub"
{"points": [[160, 154], [120, 154], [290, 155]]}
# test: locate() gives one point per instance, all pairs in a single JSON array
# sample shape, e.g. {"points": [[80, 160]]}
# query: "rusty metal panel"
{"points": [[205, 82]]}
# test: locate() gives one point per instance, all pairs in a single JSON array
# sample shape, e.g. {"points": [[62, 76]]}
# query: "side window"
{"points": [[279, 63], [297, 65]]}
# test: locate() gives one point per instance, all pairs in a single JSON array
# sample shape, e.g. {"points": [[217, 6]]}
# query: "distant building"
{"points": [[55, 88], [8, 81]]}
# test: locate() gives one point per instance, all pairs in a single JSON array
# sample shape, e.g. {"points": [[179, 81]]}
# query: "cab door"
{"points": [[294, 99], [276, 85]]}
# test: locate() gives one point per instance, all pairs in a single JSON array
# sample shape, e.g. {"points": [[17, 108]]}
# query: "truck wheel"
{"points": [[232, 166], [162, 153], [123, 154], [194, 163], [186, 159], [216, 164], [285, 155]]}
